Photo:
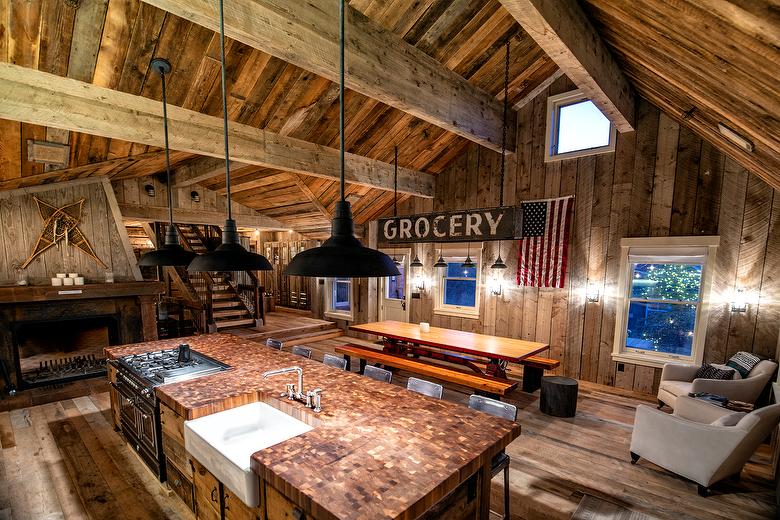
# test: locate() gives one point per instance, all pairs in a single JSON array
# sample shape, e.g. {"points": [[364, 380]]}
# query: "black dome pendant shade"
{"points": [[342, 255], [469, 262], [230, 255], [416, 261], [171, 252], [441, 262], [499, 263]]}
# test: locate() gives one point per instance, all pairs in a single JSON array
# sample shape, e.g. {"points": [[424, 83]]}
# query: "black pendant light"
{"points": [[469, 262], [342, 255], [416, 261], [499, 263], [230, 255], [171, 252], [440, 262]]}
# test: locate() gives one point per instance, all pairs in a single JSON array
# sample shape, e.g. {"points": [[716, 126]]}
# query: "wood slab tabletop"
{"points": [[496, 347], [377, 450]]}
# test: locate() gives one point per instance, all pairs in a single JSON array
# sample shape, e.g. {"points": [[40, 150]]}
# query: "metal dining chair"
{"points": [[302, 351], [274, 343], [501, 460], [421, 386], [335, 361], [379, 374]]}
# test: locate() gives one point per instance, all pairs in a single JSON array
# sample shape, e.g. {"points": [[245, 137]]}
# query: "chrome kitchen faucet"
{"points": [[311, 398]]}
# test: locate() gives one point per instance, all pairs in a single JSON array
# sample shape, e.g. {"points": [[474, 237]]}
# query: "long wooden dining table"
{"points": [[454, 346]]}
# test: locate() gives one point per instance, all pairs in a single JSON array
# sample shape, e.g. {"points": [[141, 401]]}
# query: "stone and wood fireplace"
{"points": [[51, 335]]}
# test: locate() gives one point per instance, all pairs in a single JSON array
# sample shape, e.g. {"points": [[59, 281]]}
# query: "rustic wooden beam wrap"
{"points": [[564, 32], [145, 213], [381, 64], [44, 99]]}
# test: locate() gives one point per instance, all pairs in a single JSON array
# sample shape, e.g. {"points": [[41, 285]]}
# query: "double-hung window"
{"points": [[663, 299], [576, 127], [458, 287], [339, 298]]}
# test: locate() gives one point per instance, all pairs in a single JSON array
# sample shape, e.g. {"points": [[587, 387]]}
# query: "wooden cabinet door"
{"points": [[279, 507], [235, 509], [207, 493]]}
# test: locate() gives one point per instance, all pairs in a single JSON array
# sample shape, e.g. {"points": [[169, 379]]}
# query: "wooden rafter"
{"points": [[34, 97], [381, 64], [564, 32]]}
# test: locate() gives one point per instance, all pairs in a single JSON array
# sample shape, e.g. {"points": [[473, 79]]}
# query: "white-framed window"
{"points": [[338, 298], [458, 287], [663, 299], [576, 127]]}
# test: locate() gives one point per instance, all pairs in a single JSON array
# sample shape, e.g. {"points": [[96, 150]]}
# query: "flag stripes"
{"points": [[543, 253]]}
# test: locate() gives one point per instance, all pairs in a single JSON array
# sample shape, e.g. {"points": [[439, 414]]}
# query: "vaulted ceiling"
{"points": [[703, 66], [264, 91]]}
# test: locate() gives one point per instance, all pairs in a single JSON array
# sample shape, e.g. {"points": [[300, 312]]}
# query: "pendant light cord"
{"points": [[341, 93], [167, 148], [224, 105], [395, 181], [503, 132]]}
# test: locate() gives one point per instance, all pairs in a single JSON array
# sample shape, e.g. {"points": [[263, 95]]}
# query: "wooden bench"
{"points": [[485, 384], [533, 370]]}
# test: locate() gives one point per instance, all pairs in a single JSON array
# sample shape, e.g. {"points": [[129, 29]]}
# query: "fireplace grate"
{"points": [[57, 370]]}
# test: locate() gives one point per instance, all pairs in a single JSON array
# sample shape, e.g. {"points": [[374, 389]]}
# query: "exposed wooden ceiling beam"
{"points": [[44, 99], [146, 213], [564, 32], [200, 170], [541, 87], [381, 65], [311, 196]]}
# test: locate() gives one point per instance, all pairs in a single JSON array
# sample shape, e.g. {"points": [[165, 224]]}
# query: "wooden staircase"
{"points": [[227, 309]]}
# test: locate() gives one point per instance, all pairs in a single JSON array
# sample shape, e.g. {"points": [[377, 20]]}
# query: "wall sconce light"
{"points": [[419, 283], [592, 294], [495, 285], [739, 303], [149, 189], [195, 196]]}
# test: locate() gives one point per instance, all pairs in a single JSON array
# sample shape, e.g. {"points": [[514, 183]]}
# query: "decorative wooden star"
{"points": [[61, 224]]}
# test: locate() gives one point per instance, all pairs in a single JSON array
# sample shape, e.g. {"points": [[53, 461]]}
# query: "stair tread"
{"points": [[230, 312], [234, 323]]}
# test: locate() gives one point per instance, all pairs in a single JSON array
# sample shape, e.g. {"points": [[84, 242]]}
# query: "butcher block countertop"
{"points": [[377, 450]]}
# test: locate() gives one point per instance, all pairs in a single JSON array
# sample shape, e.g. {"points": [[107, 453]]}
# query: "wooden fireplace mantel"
{"points": [[46, 293]]}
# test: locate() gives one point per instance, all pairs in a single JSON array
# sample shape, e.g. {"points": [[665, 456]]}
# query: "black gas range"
{"points": [[136, 377]]}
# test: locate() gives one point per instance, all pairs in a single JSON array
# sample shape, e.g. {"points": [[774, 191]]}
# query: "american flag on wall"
{"points": [[544, 247]]}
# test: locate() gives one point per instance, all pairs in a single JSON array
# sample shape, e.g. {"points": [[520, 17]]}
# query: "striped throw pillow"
{"points": [[743, 362], [708, 371]]}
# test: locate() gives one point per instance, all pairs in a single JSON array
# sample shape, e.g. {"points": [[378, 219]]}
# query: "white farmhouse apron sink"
{"points": [[225, 441]]}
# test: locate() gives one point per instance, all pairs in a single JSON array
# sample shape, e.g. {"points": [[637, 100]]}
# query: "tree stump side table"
{"points": [[558, 396]]}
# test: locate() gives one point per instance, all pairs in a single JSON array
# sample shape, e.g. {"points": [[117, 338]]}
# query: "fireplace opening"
{"points": [[55, 351]]}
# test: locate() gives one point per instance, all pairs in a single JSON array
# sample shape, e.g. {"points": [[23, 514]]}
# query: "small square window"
{"points": [[458, 289], [339, 304], [576, 127]]}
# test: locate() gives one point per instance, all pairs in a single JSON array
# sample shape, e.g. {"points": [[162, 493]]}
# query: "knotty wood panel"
{"points": [[23, 224], [662, 180]]}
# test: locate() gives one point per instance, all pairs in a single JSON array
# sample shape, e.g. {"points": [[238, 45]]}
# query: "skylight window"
{"points": [[576, 127]]}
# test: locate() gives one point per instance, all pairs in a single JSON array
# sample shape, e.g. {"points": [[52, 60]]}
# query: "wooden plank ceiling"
{"points": [[265, 92], [704, 65]]}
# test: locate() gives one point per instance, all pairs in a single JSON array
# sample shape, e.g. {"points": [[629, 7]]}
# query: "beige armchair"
{"points": [[677, 380], [687, 444]]}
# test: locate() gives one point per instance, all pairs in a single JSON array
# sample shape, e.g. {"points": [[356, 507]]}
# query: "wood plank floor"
{"points": [[63, 460]]}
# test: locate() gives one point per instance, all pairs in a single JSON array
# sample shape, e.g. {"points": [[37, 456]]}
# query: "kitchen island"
{"points": [[376, 450]]}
